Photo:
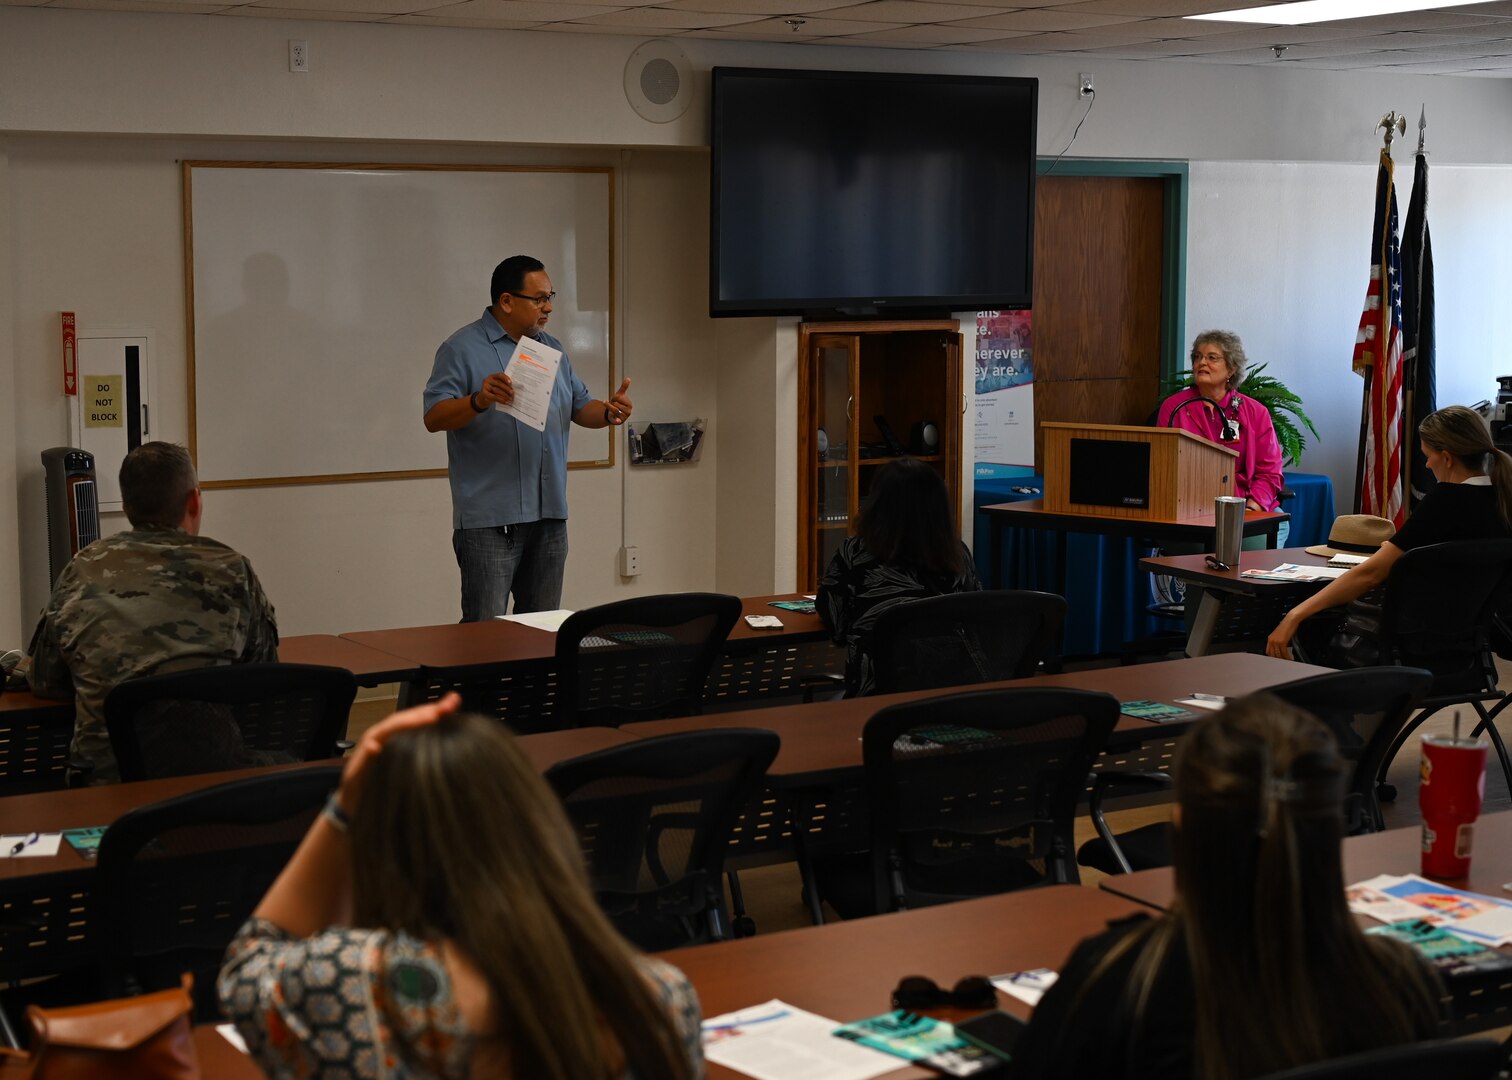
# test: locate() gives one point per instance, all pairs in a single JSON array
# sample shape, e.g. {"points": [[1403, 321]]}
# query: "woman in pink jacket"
{"points": [[1213, 408]]}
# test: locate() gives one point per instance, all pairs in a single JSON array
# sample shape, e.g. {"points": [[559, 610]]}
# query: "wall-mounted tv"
{"points": [[847, 193]]}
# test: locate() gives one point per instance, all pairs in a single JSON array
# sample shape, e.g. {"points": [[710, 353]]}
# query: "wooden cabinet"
{"points": [[857, 382]]}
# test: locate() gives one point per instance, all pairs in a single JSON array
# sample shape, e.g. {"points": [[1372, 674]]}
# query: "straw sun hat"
{"points": [[1355, 534]]}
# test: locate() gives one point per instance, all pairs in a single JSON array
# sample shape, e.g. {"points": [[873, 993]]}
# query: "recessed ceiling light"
{"points": [[1317, 11]]}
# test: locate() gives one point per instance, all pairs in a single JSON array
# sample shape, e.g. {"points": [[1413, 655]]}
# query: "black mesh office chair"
{"points": [[1365, 708], [1438, 613], [654, 818], [227, 717], [178, 878], [645, 658], [1441, 1059], [964, 638], [968, 795]]}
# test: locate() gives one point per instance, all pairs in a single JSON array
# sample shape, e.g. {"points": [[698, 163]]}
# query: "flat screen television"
{"points": [[848, 194]]}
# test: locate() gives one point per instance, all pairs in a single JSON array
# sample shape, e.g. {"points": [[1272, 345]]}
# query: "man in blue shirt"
{"points": [[508, 480]]}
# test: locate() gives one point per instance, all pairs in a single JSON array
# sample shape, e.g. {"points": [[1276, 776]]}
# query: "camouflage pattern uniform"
{"points": [[148, 601]]}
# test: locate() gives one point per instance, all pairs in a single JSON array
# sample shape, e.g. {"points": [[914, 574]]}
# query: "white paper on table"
{"points": [[775, 1041], [1027, 986], [232, 1036], [1369, 901], [542, 620], [1346, 560], [532, 370], [45, 845], [1202, 703]]}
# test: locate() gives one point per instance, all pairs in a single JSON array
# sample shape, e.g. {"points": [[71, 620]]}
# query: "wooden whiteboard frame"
{"points": [[611, 325]]}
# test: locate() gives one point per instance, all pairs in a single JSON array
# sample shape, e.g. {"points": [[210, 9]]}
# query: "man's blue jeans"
{"points": [[526, 559]]}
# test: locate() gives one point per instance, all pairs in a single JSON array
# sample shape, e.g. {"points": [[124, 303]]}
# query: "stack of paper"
{"points": [[1292, 572], [1485, 920]]}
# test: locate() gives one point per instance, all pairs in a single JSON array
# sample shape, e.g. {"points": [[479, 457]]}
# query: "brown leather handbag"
{"points": [[141, 1038]]}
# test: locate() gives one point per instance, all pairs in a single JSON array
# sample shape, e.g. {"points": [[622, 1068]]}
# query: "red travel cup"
{"points": [[1449, 796]]}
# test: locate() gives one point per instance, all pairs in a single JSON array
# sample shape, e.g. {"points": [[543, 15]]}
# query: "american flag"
{"points": [[1378, 357]]}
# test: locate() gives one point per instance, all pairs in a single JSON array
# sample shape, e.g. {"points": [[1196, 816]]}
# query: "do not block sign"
{"points": [[103, 401]]}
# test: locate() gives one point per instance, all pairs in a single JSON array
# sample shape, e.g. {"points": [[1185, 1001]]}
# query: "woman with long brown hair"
{"points": [[1472, 500], [437, 922], [1259, 965], [907, 546]]}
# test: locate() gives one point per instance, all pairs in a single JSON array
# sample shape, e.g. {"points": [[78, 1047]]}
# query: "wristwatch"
{"points": [[472, 400]]}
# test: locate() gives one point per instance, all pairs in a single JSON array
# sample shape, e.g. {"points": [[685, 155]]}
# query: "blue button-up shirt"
{"points": [[502, 472]]}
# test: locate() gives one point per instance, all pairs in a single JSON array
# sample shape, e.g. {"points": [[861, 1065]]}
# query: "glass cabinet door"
{"points": [[834, 489]]}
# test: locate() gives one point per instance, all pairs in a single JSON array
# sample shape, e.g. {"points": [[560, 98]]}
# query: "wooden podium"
{"points": [[1138, 473]]}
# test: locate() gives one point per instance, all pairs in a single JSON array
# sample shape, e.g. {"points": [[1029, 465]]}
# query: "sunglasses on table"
{"points": [[917, 992], [1214, 563]]}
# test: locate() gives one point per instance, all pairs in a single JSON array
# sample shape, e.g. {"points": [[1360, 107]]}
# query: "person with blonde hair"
{"points": [[1471, 501], [437, 922], [1258, 966], [1214, 408]]}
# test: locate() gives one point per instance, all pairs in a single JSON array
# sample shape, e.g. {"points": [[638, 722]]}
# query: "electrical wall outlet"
{"points": [[629, 561], [299, 55], [1084, 86]]}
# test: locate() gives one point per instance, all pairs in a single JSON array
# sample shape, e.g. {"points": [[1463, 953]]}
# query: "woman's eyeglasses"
{"points": [[917, 992]]}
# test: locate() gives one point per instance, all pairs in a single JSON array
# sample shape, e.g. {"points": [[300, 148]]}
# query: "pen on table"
{"points": [[21, 845], [778, 1015]]}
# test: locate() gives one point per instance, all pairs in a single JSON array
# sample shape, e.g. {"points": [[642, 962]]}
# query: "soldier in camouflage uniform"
{"points": [[154, 599]]}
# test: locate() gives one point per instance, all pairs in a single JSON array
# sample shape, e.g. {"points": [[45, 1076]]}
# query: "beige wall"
{"points": [[96, 109]]}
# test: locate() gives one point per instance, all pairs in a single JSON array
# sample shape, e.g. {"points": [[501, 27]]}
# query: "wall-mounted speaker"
{"points": [[659, 82]]}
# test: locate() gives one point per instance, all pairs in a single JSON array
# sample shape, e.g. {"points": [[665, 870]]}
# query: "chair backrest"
{"points": [[1438, 608], [1364, 708], [1442, 1059], [964, 638], [645, 658], [230, 716], [177, 878], [654, 819], [975, 793]]}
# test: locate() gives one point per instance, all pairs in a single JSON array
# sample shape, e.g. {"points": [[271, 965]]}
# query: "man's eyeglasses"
{"points": [[918, 992], [538, 301], [1214, 563]]}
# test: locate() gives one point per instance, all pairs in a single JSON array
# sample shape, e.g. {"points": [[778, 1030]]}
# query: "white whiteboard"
{"points": [[318, 295]]}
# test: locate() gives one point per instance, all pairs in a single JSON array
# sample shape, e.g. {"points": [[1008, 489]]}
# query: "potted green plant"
{"points": [[1278, 400]]}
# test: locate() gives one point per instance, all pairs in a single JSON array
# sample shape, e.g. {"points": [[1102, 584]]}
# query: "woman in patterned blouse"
{"points": [[481, 953], [906, 547]]}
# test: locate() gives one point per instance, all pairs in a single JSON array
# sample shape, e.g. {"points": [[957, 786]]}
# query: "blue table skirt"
{"points": [[1106, 592]]}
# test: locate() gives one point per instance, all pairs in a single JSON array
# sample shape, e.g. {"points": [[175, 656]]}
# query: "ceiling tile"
{"points": [[519, 11], [628, 30], [905, 11], [1101, 37], [153, 6], [664, 19], [1420, 20], [758, 8], [458, 23], [930, 35], [812, 28], [1045, 20], [1150, 8]]}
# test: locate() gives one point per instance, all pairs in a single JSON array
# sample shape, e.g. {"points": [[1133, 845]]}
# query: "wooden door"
{"points": [[1098, 259]]}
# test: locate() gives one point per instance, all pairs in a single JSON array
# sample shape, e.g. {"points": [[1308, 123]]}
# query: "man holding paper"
{"points": [[504, 391]]}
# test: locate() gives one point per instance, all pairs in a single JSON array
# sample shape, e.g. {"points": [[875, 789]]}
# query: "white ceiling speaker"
{"points": [[659, 82]]}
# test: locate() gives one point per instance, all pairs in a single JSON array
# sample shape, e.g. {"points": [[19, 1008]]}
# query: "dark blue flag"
{"points": [[1417, 326]]}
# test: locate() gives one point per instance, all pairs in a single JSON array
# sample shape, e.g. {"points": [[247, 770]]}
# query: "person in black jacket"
{"points": [[1259, 965]]}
